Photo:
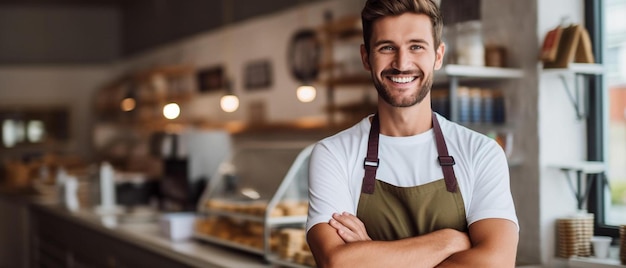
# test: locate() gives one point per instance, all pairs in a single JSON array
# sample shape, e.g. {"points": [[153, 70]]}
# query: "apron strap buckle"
{"points": [[446, 160], [370, 163]]}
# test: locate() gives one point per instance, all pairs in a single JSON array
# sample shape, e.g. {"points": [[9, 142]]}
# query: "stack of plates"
{"points": [[574, 235], [622, 251]]}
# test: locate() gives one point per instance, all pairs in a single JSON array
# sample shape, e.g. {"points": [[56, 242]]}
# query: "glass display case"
{"points": [[257, 202]]}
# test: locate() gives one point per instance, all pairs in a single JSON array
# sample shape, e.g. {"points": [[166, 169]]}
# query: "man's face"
{"points": [[402, 58]]}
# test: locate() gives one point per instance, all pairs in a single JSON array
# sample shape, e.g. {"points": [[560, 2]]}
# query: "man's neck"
{"points": [[406, 121]]}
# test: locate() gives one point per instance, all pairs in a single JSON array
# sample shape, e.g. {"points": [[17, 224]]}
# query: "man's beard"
{"points": [[404, 102]]}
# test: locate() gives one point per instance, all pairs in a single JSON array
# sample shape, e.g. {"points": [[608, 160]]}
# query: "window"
{"points": [[33, 126], [607, 118], [615, 79]]}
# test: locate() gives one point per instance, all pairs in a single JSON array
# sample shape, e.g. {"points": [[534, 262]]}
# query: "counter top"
{"points": [[147, 235], [144, 234]]}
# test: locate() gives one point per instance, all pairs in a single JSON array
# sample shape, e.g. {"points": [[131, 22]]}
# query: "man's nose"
{"points": [[402, 60]]}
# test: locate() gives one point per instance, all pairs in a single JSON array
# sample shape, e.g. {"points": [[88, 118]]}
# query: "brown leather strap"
{"points": [[371, 161], [445, 161]]}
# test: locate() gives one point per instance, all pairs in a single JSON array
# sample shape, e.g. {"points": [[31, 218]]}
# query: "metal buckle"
{"points": [[372, 163], [446, 160]]}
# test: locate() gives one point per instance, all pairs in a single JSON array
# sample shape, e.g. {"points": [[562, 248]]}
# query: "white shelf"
{"points": [[586, 167], [578, 68], [477, 72], [578, 93], [453, 74], [580, 168]]}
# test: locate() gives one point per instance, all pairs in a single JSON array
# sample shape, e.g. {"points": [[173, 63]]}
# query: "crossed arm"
{"points": [[343, 242]]}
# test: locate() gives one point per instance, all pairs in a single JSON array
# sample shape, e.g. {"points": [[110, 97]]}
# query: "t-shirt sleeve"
{"points": [[492, 193], [329, 190]]}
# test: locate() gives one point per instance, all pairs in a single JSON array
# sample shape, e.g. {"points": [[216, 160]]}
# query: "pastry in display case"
{"points": [[257, 202]]}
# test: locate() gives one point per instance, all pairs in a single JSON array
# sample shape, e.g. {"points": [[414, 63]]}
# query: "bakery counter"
{"points": [[44, 234], [85, 238]]}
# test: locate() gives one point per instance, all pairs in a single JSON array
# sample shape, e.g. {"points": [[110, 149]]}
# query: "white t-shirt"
{"points": [[336, 170]]}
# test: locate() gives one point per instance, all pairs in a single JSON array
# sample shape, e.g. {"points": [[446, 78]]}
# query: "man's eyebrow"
{"points": [[412, 41], [420, 41], [383, 42]]}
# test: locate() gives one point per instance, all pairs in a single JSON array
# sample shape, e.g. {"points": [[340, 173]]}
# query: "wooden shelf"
{"points": [[347, 25], [150, 94]]}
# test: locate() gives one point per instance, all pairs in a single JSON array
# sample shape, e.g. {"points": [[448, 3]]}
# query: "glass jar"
{"points": [[470, 49]]}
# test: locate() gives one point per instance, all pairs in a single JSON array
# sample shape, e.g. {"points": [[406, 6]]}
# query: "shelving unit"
{"points": [[337, 74], [578, 99], [580, 168], [452, 75], [150, 89], [577, 94]]}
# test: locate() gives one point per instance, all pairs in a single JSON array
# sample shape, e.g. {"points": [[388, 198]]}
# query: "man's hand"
{"points": [[349, 227]]}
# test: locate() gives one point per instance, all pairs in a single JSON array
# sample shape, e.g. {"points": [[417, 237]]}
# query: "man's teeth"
{"points": [[402, 79]]}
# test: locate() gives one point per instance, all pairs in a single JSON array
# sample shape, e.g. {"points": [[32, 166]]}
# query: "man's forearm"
{"points": [[488, 250], [422, 251], [475, 257]]}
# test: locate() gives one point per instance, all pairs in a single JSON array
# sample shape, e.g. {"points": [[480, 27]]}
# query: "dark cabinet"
{"points": [[61, 242]]}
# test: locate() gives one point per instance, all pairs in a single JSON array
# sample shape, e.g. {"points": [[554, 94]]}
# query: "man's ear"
{"points": [[439, 53], [365, 58]]}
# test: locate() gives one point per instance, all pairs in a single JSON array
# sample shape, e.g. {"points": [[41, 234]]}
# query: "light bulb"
{"points": [[35, 131], [171, 111], [306, 93], [229, 103], [128, 104]]}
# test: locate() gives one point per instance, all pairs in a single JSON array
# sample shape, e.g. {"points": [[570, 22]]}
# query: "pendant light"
{"points": [[306, 93], [229, 102], [171, 111], [129, 102], [304, 59]]}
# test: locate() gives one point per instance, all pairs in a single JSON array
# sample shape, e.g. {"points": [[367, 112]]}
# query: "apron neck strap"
{"points": [[445, 161], [371, 161]]}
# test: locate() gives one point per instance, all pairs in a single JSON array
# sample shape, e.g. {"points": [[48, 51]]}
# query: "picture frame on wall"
{"points": [[211, 79], [258, 75]]}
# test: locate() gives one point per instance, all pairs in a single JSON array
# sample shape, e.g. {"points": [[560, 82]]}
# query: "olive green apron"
{"points": [[393, 212]]}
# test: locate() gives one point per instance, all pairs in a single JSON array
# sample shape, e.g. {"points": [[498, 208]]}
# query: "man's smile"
{"points": [[403, 80]]}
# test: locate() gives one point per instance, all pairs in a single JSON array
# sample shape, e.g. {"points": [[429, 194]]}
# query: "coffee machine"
{"points": [[189, 160]]}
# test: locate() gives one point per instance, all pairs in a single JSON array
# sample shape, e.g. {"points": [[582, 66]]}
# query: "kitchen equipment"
{"points": [[189, 158]]}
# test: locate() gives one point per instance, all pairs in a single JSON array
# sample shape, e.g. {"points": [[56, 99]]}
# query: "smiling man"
{"points": [[405, 187]]}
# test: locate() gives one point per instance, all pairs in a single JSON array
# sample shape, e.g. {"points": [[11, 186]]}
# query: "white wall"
{"points": [[562, 136], [261, 38]]}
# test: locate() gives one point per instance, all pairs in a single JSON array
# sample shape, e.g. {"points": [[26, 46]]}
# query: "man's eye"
{"points": [[387, 48], [416, 47]]}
